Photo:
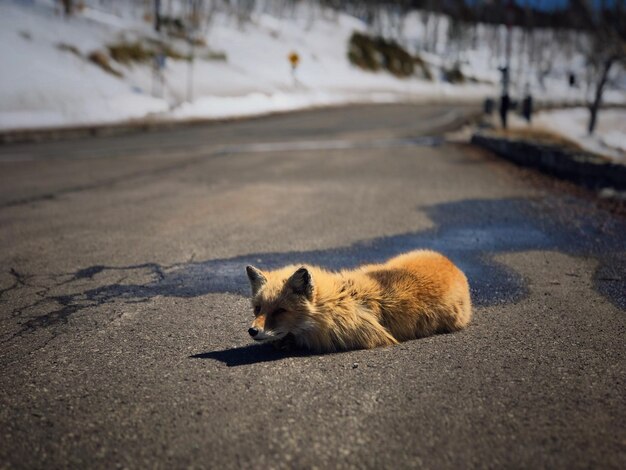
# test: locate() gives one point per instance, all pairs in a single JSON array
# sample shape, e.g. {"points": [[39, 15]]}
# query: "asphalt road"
{"points": [[124, 307]]}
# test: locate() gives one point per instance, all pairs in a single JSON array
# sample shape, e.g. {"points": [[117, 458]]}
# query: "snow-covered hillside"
{"points": [[48, 79]]}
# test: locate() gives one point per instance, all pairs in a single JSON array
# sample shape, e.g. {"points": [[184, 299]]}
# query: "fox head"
{"points": [[281, 301]]}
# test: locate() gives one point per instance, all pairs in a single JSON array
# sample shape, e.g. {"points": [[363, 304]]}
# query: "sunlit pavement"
{"points": [[124, 307]]}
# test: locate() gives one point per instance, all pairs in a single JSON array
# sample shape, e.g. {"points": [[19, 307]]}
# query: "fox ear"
{"points": [[302, 283], [257, 279]]}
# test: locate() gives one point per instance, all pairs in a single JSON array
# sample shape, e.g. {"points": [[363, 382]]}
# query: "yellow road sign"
{"points": [[294, 59]]}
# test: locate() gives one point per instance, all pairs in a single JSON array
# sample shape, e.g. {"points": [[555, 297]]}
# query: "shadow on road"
{"points": [[246, 355]]}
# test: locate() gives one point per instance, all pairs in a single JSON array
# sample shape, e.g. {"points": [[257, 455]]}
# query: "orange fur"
{"points": [[416, 294]]}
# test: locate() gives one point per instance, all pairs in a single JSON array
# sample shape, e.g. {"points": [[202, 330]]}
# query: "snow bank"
{"points": [[609, 138], [47, 80], [42, 85]]}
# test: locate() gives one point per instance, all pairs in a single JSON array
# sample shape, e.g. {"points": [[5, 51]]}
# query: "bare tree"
{"points": [[68, 7], [242, 10], [157, 15], [606, 46]]}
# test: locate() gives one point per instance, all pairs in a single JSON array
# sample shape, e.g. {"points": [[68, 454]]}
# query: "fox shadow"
{"points": [[250, 354]]}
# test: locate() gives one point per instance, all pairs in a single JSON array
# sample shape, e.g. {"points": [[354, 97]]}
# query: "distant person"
{"points": [[572, 80]]}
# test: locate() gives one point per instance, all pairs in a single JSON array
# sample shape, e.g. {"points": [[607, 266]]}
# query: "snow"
{"points": [[609, 138], [44, 86], [257, 103], [616, 139]]}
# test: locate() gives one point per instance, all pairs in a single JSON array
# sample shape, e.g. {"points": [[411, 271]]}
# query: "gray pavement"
{"points": [[123, 301]]}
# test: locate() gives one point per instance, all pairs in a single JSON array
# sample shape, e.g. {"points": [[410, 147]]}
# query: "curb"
{"points": [[583, 168], [19, 136]]}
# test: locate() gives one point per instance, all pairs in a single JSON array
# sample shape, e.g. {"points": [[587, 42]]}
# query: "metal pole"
{"points": [[191, 37], [190, 72], [157, 15], [505, 99]]}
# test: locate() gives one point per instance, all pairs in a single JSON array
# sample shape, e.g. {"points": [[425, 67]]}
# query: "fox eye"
{"points": [[257, 309]]}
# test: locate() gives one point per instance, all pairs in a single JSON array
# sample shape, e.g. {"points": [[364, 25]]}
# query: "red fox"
{"points": [[413, 295]]}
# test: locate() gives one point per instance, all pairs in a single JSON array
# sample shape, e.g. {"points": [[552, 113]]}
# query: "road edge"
{"points": [[578, 166]]}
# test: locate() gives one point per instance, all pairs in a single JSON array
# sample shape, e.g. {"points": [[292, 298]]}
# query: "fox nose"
{"points": [[253, 332]]}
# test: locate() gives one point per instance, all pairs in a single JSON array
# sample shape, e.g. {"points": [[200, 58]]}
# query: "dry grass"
{"points": [[217, 56], [100, 59], [129, 52], [541, 136], [174, 26], [453, 74], [69, 48], [160, 47], [422, 67], [376, 53]]}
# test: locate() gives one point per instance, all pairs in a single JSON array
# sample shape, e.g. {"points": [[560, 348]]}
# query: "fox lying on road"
{"points": [[416, 294]]}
